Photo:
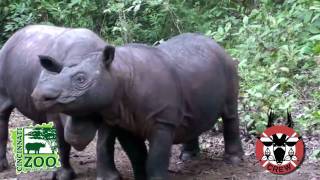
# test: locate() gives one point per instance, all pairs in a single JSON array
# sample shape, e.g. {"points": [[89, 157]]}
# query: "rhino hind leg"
{"points": [[231, 133], [5, 111], [190, 150], [136, 150]]}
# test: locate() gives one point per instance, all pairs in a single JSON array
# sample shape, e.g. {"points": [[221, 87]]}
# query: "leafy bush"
{"points": [[276, 47]]}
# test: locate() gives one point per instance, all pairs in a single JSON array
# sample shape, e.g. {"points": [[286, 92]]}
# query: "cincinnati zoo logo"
{"points": [[279, 148], [35, 148]]}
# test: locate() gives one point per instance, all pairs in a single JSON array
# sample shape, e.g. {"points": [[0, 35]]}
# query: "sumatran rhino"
{"points": [[19, 73], [166, 94]]}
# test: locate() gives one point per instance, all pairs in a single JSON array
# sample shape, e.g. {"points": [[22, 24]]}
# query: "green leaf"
{"points": [[315, 154], [284, 69], [307, 16], [274, 87], [316, 37], [137, 8], [245, 20]]}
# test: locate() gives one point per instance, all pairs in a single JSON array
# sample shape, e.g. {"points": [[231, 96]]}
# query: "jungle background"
{"points": [[275, 42]]}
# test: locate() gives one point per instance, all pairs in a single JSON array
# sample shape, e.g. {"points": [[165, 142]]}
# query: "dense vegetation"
{"points": [[277, 43]]}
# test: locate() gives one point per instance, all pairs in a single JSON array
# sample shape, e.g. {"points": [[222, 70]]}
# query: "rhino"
{"points": [[168, 94], [34, 147], [20, 70]]}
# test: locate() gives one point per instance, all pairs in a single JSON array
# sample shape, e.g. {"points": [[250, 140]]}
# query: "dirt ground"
{"points": [[210, 165]]}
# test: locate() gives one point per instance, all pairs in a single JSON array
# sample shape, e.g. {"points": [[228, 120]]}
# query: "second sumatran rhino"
{"points": [[20, 70], [167, 94]]}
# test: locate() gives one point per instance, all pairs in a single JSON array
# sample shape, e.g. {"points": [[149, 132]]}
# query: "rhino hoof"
{"points": [[64, 174], [4, 164], [188, 155], [233, 159]]}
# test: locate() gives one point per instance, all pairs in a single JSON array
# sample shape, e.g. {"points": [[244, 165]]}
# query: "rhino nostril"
{"points": [[49, 99]]}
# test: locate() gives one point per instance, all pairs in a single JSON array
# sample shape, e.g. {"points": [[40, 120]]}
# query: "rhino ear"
{"points": [[108, 55], [50, 64]]}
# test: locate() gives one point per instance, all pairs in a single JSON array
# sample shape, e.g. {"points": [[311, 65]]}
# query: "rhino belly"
{"points": [[203, 106], [192, 128]]}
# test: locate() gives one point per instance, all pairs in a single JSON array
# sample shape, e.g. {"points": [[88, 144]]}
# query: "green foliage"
{"points": [[315, 154], [276, 47], [277, 43]]}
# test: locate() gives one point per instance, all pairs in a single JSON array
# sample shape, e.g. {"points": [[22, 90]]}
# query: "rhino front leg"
{"points": [[106, 169], [190, 150], [5, 111], [66, 171], [136, 150], [160, 151]]}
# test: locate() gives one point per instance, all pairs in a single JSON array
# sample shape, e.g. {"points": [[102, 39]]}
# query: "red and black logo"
{"points": [[279, 148]]}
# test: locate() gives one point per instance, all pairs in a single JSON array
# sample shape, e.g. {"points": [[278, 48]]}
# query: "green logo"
{"points": [[35, 148]]}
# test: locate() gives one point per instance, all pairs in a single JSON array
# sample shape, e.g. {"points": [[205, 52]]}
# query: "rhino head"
{"points": [[76, 86]]}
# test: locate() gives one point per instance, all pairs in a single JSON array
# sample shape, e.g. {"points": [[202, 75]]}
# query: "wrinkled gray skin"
{"points": [[166, 94], [19, 73]]}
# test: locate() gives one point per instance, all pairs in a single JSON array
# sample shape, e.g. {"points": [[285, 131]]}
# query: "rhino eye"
{"points": [[79, 78]]}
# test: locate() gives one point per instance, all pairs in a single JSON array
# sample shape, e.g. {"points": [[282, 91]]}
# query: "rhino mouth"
{"points": [[66, 99]]}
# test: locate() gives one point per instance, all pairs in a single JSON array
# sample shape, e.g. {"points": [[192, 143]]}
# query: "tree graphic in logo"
{"points": [[39, 133]]}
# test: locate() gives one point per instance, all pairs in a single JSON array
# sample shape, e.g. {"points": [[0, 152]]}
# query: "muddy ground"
{"points": [[210, 165]]}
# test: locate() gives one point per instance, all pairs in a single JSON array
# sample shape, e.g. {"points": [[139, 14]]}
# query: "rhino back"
{"points": [[20, 68]]}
